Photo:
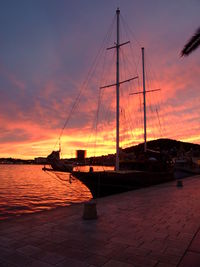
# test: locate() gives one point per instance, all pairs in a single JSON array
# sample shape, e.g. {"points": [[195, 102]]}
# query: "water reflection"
{"points": [[95, 168], [27, 189]]}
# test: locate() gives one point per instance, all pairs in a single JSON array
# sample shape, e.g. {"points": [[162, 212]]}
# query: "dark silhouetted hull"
{"points": [[111, 182]]}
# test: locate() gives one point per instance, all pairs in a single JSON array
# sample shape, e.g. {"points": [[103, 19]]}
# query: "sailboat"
{"points": [[58, 164], [103, 183]]}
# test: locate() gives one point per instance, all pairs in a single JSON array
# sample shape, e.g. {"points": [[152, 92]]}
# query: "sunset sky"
{"points": [[47, 61]]}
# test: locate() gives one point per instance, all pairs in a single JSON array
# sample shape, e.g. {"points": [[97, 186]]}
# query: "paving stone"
{"points": [[141, 261], [72, 263], [113, 263], [49, 257], [191, 259], [18, 259], [174, 251], [6, 252], [96, 260], [5, 241], [195, 245], [29, 250], [37, 263], [6, 264], [74, 253], [161, 264]]}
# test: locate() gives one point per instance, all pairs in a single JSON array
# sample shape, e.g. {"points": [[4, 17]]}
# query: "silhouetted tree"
{"points": [[192, 44]]}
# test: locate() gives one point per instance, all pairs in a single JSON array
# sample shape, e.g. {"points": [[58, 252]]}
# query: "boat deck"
{"points": [[157, 226]]}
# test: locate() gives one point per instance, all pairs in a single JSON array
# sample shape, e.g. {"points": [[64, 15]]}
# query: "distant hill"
{"points": [[15, 161], [164, 145], [172, 147]]}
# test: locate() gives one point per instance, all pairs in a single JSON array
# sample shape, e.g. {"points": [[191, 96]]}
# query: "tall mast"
{"points": [[144, 99], [117, 95], [117, 84]]}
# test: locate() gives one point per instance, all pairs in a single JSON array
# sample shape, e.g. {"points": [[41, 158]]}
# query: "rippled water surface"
{"points": [[28, 189]]}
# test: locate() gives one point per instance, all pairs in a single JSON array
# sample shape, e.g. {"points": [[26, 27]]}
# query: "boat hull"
{"points": [[58, 164], [107, 183], [61, 167]]}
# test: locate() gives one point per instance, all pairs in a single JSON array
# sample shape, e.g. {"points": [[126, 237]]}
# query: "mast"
{"points": [[117, 95], [144, 99], [117, 84]]}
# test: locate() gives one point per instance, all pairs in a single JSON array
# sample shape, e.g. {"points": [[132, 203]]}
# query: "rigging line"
{"points": [[157, 103], [55, 176], [106, 110], [76, 101], [129, 32], [159, 121], [122, 75], [125, 60], [110, 121], [131, 125], [131, 66], [136, 120], [105, 113], [103, 46], [68, 118], [108, 35], [91, 74], [104, 67], [123, 113], [97, 118], [83, 85], [124, 132], [60, 180], [151, 74], [106, 116], [151, 71], [127, 28], [129, 117], [129, 131], [136, 63], [125, 116]]}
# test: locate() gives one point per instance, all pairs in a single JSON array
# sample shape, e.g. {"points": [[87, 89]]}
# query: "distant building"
{"points": [[40, 160], [80, 155]]}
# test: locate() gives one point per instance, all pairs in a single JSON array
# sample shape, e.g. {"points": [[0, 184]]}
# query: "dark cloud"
{"points": [[14, 136]]}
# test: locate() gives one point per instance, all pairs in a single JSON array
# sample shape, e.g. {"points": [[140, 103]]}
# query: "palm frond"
{"points": [[192, 44]]}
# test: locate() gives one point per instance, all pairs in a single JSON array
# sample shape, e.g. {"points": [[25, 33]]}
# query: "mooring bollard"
{"points": [[90, 211], [179, 183]]}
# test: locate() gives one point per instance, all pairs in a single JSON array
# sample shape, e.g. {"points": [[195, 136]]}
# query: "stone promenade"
{"points": [[156, 226]]}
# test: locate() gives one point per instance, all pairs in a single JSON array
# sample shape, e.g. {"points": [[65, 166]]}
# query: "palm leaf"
{"points": [[192, 44]]}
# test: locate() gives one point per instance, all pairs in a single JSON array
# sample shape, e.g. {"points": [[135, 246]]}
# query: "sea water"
{"points": [[29, 189]]}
